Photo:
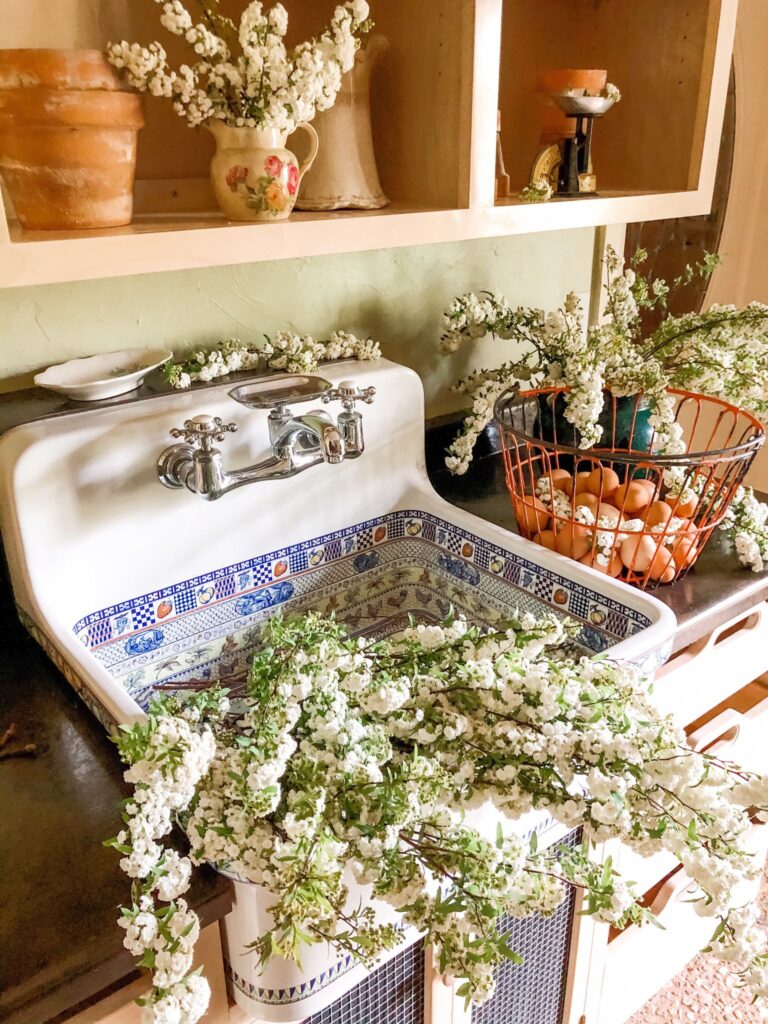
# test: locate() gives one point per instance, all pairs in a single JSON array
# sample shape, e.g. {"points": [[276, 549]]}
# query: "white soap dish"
{"points": [[103, 376]]}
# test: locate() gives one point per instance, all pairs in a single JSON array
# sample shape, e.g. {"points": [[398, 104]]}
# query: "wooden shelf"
{"points": [[450, 65], [176, 242]]}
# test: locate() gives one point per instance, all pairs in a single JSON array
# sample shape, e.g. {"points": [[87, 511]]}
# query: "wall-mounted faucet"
{"points": [[298, 442]]}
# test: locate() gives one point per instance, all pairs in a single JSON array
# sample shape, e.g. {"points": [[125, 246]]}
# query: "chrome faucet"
{"points": [[298, 442]]}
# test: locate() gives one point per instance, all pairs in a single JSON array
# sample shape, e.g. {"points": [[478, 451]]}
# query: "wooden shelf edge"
{"points": [[175, 244]]}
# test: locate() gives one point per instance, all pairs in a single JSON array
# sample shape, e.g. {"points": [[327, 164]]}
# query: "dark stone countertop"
{"points": [[716, 590], [60, 888]]}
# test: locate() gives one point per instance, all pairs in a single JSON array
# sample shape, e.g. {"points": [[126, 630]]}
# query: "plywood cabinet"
{"points": [[450, 65]]}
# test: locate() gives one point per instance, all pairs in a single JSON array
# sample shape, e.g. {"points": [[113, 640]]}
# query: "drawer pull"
{"points": [[715, 736]]}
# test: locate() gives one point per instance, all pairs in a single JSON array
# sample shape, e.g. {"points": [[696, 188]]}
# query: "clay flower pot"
{"points": [[67, 154], [57, 69]]}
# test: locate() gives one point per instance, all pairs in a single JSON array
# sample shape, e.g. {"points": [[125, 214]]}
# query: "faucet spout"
{"points": [[315, 430]]}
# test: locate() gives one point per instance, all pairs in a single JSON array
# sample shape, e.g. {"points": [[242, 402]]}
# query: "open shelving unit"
{"points": [[450, 66]]}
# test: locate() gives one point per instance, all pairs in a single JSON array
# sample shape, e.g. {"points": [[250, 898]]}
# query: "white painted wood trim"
{"points": [[485, 100], [176, 243], [722, 43]]}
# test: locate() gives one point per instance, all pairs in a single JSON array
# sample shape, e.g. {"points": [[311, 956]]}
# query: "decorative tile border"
{"points": [[294, 993], [464, 551]]}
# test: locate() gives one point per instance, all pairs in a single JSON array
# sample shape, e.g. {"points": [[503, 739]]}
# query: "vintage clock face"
{"points": [[547, 165]]}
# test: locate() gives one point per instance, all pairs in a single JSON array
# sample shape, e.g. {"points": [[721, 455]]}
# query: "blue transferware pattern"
{"points": [[372, 575], [143, 643]]}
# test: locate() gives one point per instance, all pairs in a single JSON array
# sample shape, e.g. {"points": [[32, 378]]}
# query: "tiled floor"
{"points": [[704, 993]]}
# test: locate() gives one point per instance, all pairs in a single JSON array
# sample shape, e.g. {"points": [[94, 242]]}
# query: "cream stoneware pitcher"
{"points": [[254, 176]]}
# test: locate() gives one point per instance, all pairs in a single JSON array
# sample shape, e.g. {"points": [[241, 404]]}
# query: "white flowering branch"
{"points": [[369, 755], [265, 85], [722, 352], [283, 351]]}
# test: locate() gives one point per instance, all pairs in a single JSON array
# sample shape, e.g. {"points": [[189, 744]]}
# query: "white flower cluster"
{"points": [[369, 754], [283, 351], [746, 525], [539, 191], [722, 352], [266, 85], [172, 756]]}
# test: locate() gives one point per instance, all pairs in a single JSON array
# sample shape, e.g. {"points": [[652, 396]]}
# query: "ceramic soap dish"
{"points": [[103, 376]]}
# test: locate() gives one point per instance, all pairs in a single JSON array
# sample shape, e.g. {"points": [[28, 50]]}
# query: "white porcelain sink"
{"points": [[132, 587]]}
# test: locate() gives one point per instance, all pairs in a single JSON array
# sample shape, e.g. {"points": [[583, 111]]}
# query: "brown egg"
{"points": [[613, 568], [561, 479], [684, 551], [631, 498], [659, 512], [650, 485], [605, 511], [574, 540], [588, 500], [649, 482], [578, 484], [661, 564], [531, 514], [637, 552], [603, 481], [684, 509], [546, 538]]}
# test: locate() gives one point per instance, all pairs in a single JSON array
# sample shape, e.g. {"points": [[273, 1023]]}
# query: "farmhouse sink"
{"points": [[133, 588]]}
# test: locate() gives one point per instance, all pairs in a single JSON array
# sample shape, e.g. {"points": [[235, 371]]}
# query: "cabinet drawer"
{"points": [[735, 730], [710, 670], [640, 961]]}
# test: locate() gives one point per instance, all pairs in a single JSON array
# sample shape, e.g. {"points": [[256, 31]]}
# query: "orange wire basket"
{"points": [[619, 507]]}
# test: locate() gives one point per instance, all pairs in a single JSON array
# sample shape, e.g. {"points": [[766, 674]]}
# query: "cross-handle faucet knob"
{"points": [[347, 392], [202, 431]]}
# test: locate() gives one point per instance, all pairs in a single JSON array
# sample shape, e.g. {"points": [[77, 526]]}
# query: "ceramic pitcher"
{"points": [[254, 176], [345, 175]]}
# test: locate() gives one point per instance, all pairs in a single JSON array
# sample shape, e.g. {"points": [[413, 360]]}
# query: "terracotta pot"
{"points": [[68, 157], [254, 176], [57, 69], [554, 124]]}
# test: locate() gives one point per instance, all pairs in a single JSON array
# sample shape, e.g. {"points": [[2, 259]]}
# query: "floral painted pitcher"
{"points": [[254, 176]]}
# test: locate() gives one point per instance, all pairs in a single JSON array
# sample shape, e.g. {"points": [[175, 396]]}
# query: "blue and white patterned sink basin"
{"points": [[133, 588], [372, 575]]}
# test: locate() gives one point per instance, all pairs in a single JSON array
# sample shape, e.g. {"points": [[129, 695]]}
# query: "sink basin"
{"points": [[133, 588], [372, 575]]}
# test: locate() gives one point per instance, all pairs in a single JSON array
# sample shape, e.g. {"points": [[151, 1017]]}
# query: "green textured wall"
{"points": [[395, 296]]}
